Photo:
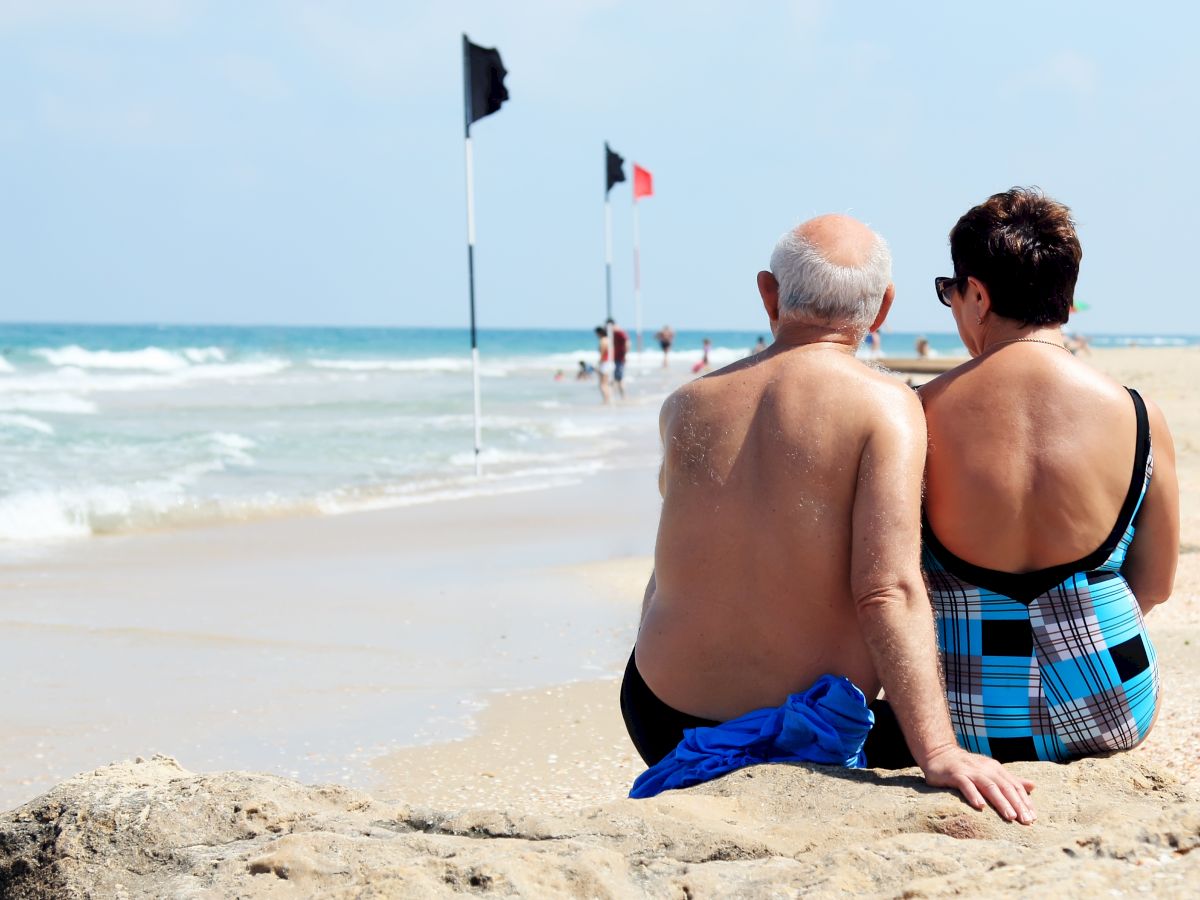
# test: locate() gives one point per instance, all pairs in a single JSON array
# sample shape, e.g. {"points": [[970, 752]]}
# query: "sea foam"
{"points": [[154, 359], [433, 364], [17, 420], [41, 516], [489, 366], [48, 403]]}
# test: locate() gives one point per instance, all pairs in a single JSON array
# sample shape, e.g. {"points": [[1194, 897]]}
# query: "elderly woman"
{"points": [[1052, 506]]}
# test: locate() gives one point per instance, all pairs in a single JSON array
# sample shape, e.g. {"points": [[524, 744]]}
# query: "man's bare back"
{"points": [[761, 463]]}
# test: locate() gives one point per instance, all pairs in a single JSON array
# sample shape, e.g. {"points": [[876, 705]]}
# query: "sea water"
{"points": [[110, 429]]}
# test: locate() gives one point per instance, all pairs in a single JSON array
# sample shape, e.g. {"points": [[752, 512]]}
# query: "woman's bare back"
{"points": [[1031, 454]]}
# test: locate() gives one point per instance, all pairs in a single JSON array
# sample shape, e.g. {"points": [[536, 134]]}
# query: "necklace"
{"points": [[1025, 340]]}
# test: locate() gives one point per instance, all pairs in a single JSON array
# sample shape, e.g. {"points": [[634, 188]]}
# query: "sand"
{"points": [[149, 828], [303, 647]]}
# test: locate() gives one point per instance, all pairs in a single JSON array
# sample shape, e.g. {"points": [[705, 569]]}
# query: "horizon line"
{"points": [[309, 326]]}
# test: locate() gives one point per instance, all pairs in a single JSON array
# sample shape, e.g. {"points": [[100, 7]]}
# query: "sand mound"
{"points": [[151, 828]]}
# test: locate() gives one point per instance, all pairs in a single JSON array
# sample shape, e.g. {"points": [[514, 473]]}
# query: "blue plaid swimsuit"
{"points": [[1054, 664]]}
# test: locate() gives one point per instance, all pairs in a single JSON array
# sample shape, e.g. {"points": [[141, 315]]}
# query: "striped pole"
{"points": [[471, 254]]}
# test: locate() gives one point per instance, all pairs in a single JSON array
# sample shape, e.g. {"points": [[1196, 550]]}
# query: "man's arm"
{"points": [[896, 618]]}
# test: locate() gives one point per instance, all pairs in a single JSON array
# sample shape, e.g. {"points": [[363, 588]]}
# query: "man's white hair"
{"points": [[811, 287]]}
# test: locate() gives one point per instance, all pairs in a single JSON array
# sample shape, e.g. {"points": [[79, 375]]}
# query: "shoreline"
{"points": [[547, 750], [304, 646]]}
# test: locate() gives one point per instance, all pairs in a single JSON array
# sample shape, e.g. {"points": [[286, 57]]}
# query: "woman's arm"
{"points": [[1150, 564]]}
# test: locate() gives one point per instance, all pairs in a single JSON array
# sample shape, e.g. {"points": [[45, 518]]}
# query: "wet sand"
{"points": [[308, 647]]}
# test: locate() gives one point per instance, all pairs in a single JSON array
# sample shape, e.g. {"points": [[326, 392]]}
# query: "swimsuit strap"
{"points": [[1143, 470]]}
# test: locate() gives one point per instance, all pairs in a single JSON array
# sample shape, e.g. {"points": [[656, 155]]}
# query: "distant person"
{"points": [[760, 345], [1077, 344], [1051, 505], [924, 351], [559, 376], [586, 371], [787, 581], [874, 344], [666, 337], [620, 351], [604, 369], [703, 365]]}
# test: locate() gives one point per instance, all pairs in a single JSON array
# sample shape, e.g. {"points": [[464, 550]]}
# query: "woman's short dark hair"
{"points": [[1023, 246]]}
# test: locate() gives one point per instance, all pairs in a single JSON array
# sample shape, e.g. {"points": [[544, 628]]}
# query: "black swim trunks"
{"points": [[656, 728]]}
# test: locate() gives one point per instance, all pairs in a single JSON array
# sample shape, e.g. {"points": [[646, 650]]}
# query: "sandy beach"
{"points": [[464, 657]]}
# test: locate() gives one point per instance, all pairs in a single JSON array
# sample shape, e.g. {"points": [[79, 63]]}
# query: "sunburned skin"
{"points": [[753, 598]]}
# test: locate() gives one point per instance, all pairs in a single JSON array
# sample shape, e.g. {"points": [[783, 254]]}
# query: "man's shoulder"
{"points": [[888, 402], [684, 394], [707, 393], [876, 385]]}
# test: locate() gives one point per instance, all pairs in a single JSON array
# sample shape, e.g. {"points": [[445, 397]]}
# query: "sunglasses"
{"points": [[943, 283]]}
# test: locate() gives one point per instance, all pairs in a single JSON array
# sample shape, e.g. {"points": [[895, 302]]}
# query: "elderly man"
{"points": [[789, 543]]}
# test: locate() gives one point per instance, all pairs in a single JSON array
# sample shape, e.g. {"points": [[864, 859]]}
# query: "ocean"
{"points": [[112, 429]]}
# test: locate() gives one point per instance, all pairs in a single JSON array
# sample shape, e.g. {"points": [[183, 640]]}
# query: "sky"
{"points": [[180, 161]]}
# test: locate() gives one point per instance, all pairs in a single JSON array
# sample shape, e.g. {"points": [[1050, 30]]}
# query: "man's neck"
{"points": [[804, 334]]}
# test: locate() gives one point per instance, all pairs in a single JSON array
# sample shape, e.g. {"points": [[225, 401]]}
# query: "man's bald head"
{"points": [[832, 270], [839, 239]]}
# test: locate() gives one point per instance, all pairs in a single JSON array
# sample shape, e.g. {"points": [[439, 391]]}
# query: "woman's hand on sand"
{"points": [[982, 781]]}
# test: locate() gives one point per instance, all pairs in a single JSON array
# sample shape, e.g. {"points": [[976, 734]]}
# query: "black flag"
{"points": [[614, 165], [483, 75]]}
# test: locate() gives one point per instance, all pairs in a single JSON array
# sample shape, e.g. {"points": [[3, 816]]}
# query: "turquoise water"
{"points": [[106, 429]]}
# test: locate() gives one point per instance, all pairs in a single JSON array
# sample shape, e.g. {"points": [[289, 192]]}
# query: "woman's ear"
{"points": [[978, 293]]}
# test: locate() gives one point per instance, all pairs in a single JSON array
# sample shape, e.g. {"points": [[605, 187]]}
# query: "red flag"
{"points": [[643, 184]]}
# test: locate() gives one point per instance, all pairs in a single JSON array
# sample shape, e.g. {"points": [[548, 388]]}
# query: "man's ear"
{"points": [[884, 307], [768, 289]]}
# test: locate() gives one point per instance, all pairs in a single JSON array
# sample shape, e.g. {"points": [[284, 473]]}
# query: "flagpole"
{"points": [[608, 278], [471, 251], [608, 256], [637, 273]]}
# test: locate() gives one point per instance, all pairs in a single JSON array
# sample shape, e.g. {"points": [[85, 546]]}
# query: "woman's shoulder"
{"points": [[1056, 385], [936, 389]]}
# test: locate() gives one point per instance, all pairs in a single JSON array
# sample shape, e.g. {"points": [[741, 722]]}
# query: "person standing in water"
{"points": [[604, 369], [620, 351], [874, 342], [665, 337]]}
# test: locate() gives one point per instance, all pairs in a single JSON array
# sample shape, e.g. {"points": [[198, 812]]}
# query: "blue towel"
{"points": [[826, 724]]}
